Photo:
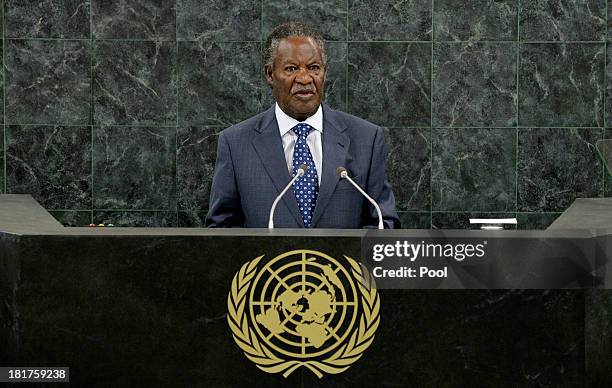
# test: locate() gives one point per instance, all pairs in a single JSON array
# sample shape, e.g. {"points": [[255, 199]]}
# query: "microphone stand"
{"points": [[341, 171], [300, 172]]}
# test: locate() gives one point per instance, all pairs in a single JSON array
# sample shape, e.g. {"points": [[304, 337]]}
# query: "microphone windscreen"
{"points": [[304, 167], [340, 170]]}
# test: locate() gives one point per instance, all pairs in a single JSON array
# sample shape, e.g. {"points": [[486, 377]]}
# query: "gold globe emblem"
{"points": [[303, 308]]}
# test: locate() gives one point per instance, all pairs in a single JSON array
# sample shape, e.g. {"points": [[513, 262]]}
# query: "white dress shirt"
{"points": [[286, 123]]}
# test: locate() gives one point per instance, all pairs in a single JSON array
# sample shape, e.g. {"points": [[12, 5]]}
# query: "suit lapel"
{"points": [[269, 148], [335, 147]]}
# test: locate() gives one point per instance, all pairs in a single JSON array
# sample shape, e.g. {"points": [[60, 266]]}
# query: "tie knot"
{"points": [[302, 129]]}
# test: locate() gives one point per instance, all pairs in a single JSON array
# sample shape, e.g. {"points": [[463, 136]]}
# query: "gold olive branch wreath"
{"points": [[266, 360]]}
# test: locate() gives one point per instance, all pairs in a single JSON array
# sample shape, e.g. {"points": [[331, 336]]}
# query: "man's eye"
{"points": [[314, 67], [291, 68]]}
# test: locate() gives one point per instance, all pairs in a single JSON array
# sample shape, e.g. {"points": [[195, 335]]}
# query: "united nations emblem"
{"points": [[303, 309]]}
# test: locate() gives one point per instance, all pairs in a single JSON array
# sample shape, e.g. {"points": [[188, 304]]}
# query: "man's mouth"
{"points": [[304, 93]]}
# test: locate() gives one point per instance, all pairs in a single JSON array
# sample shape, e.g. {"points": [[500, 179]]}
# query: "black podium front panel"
{"points": [[149, 307]]}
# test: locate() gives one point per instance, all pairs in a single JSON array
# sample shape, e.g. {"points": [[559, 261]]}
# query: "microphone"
{"points": [[300, 172], [341, 171]]}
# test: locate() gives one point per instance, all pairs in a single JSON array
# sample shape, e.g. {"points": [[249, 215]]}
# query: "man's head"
{"points": [[295, 63]]}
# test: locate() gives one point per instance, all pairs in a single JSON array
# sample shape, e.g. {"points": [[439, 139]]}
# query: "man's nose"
{"points": [[303, 76]]}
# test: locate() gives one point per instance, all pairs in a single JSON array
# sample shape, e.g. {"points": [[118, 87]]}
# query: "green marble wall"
{"points": [[111, 109]]}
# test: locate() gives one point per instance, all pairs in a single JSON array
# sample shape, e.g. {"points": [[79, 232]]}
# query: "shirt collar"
{"points": [[286, 122]]}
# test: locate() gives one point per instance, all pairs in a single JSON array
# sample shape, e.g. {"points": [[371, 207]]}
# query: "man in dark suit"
{"points": [[258, 157]]}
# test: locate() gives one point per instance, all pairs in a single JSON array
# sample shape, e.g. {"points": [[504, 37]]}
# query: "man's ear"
{"points": [[268, 73]]}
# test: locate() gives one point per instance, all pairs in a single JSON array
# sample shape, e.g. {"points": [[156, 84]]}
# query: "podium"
{"points": [[148, 307]]}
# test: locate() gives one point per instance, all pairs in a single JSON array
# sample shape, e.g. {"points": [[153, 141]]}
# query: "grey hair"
{"points": [[286, 30]]}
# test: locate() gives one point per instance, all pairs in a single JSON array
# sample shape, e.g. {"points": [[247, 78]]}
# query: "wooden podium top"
{"points": [[20, 214], [586, 213]]}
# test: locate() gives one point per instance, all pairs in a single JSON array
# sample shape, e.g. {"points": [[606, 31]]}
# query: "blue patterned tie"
{"points": [[306, 188]]}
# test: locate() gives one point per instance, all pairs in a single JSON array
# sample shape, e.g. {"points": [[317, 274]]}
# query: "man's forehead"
{"points": [[298, 39], [298, 45]]}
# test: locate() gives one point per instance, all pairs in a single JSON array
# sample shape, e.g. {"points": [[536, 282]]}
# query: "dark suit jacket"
{"points": [[251, 171]]}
